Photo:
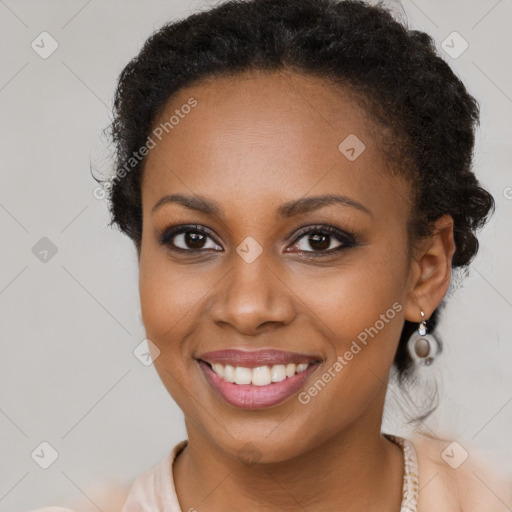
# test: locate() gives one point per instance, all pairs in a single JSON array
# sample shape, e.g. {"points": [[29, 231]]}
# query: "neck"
{"points": [[356, 469]]}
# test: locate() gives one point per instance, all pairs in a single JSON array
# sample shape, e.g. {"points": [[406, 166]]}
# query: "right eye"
{"points": [[188, 239]]}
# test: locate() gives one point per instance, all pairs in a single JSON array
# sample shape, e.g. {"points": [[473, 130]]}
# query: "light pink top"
{"points": [[450, 479], [470, 486], [154, 491]]}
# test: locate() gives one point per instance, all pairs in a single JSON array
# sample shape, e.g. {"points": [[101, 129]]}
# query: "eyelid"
{"points": [[325, 228]]}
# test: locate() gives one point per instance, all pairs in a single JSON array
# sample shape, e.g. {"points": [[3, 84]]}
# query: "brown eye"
{"points": [[189, 239], [323, 240], [318, 242], [194, 240]]}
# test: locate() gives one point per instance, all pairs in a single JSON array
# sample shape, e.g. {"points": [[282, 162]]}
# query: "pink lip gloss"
{"points": [[249, 396]]}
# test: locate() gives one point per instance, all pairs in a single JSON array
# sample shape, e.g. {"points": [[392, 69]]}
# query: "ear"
{"points": [[431, 270]]}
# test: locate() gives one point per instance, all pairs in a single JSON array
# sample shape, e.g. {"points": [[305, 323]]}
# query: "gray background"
{"points": [[69, 326]]}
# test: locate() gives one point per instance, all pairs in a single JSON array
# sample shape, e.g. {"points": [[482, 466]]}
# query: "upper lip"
{"points": [[255, 358]]}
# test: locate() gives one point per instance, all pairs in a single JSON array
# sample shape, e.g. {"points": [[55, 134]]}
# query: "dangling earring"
{"points": [[422, 328], [421, 345]]}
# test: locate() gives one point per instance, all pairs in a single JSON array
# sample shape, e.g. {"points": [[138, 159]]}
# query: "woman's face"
{"points": [[252, 275]]}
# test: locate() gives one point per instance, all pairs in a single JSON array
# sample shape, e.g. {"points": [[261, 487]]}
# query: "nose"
{"points": [[252, 299]]}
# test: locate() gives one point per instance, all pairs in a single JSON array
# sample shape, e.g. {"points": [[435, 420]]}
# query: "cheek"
{"points": [[362, 344], [172, 299], [169, 300], [362, 326], [359, 310], [349, 299]]}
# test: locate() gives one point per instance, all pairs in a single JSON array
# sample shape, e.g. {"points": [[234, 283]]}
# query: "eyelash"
{"points": [[347, 239]]}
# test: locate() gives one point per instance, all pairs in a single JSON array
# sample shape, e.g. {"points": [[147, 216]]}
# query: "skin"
{"points": [[253, 142]]}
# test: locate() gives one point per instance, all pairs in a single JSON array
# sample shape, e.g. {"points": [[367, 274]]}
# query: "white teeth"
{"points": [[218, 369], [278, 372], [290, 369], [259, 376], [229, 373], [243, 375]]}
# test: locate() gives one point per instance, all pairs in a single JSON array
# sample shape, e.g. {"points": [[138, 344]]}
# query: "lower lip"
{"points": [[249, 396]]}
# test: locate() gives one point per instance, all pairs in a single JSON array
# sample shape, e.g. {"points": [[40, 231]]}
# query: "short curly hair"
{"points": [[423, 116]]}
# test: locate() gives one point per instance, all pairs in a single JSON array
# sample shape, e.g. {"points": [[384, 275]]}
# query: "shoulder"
{"points": [[155, 488], [456, 476], [109, 495]]}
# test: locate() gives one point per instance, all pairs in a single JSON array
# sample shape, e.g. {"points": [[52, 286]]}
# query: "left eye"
{"points": [[320, 241]]}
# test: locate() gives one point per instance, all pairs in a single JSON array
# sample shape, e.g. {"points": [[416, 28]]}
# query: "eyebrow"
{"points": [[289, 209]]}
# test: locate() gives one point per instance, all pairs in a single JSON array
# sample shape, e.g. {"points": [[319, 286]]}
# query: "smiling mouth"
{"points": [[260, 375], [258, 387]]}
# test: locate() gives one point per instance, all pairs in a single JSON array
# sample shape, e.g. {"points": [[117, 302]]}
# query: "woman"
{"points": [[283, 171]]}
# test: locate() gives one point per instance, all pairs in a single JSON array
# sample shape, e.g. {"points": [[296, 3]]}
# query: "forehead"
{"points": [[275, 134]]}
